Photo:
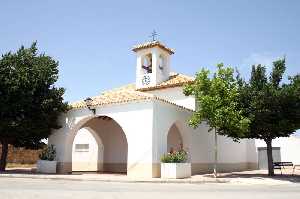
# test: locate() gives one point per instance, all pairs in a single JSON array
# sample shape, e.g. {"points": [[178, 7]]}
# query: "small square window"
{"points": [[82, 147]]}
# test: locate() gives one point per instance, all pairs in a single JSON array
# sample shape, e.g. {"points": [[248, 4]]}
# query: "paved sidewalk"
{"points": [[245, 177], [110, 177], [16, 188]]}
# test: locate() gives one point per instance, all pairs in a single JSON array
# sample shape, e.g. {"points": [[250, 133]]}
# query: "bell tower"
{"points": [[153, 63]]}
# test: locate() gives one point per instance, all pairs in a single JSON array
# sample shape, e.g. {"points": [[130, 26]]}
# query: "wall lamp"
{"points": [[88, 101]]}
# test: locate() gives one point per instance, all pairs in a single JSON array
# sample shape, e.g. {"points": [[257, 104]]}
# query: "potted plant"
{"points": [[174, 165], [47, 163]]}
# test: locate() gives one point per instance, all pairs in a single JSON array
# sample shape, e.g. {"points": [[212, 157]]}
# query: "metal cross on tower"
{"points": [[153, 35]]}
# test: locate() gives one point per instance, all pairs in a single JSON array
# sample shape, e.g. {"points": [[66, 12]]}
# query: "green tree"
{"points": [[272, 106], [217, 104], [29, 101]]}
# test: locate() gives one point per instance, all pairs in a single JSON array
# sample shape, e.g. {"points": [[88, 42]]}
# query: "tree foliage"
{"points": [[272, 106], [217, 105], [217, 102], [30, 103]]}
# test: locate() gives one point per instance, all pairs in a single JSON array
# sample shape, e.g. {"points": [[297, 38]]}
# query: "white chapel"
{"points": [[128, 129]]}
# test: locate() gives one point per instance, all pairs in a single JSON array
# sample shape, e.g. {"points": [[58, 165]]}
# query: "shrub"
{"points": [[48, 153], [175, 157]]}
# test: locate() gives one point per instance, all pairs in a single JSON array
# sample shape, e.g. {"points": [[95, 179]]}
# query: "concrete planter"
{"points": [[46, 166], [175, 170]]}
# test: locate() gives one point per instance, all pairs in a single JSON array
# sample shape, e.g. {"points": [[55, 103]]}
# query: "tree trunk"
{"points": [[3, 154], [270, 157], [216, 155]]}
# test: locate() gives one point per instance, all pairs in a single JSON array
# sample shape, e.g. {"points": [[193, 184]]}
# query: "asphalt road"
{"points": [[58, 189]]}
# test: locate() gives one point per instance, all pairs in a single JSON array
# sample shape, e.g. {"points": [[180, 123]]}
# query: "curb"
{"points": [[174, 181]]}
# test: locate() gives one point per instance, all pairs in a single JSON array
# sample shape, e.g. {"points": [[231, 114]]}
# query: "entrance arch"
{"points": [[174, 138], [87, 151], [110, 144]]}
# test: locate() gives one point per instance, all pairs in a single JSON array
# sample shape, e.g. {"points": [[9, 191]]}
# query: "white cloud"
{"points": [[265, 59]]}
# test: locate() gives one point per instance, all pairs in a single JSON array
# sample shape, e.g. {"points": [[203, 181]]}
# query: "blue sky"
{"points": [[92, 40]]}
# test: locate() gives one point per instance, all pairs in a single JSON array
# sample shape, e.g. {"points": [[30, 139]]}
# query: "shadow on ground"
{"points": [[259, 176], [33, 171]]}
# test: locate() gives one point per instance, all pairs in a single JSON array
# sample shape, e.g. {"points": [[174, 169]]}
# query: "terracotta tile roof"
{"points": [[128, 93], [116, 96], [152, 44], [175, 80]]}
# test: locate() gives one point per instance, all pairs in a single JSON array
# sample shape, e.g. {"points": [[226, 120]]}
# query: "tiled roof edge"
{"points": [[164, 86], [113, 103], [135, 100], [172, 103], [152, 44]]}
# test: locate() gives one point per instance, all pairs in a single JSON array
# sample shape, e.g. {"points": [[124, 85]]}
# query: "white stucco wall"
{"points": [[199, 142], [236, 152], [232, 156], [114, 141], [86, 160], [252, 152], [136, 120], [146, 126], [176, 96], [165, 115], [158, 75], [232, 152], [289, 148]]}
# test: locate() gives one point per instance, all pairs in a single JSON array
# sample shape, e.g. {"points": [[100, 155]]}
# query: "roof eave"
{"points": [[164, 86], [151, 45]]}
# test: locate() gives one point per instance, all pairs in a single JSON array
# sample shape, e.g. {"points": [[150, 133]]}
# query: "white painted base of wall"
{"points": [[175, 170], [45, 166]]}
